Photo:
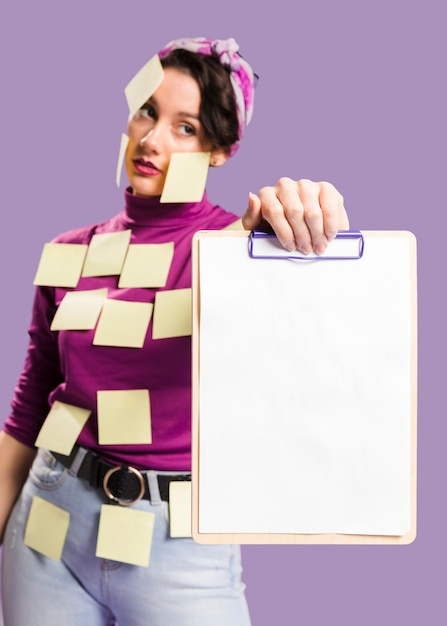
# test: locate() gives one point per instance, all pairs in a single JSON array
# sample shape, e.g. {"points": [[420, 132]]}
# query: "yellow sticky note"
{"points": [[235, 225], [140, 88], [79, 310], [106, 253], [186, 177], [46, 528], [147, 265], [62, 427], [123, 324], [122, 153], [172, 314], [124, 417], [60, 264], [180, 509], [125, 535]]}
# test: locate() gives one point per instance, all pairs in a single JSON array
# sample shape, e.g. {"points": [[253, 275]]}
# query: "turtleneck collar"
{"points": [[145, 211]]}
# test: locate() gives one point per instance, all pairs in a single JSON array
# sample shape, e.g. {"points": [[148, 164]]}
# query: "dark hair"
{"points": [[217, 112]]}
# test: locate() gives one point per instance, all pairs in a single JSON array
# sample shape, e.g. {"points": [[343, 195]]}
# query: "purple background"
{"points": [[350, 91]]}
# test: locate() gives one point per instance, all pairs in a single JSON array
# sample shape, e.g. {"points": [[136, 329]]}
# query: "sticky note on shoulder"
{"points": [[147, 80], [46, 528], [60, 264], [186, 177]]}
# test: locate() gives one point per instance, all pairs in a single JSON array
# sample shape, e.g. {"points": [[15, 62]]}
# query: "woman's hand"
{"points": [[305, 215]]}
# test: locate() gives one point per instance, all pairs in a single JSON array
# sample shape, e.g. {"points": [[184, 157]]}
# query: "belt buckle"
{"points": [[111, 495]]}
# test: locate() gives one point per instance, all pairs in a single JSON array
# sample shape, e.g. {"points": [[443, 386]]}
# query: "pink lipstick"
{"points": [[146, 167]]}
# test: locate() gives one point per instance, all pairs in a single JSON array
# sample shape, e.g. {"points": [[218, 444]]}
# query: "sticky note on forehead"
{"points": [[140, 88], [186, 177]]}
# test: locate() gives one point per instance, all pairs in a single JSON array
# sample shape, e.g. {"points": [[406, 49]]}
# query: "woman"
{"points": [[201, 105]]}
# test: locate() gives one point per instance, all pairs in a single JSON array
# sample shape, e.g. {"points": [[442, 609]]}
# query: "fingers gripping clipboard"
{"points": [[304, 390]]}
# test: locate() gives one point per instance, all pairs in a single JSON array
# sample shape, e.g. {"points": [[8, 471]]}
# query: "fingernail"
{"points": [[320, 248], [331, 236], [306, 249]]}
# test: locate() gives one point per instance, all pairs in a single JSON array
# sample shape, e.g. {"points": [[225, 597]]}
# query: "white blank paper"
{"points": [[305, 391]]}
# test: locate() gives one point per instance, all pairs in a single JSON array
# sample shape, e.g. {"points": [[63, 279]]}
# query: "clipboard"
{"points": [[304, 392]]}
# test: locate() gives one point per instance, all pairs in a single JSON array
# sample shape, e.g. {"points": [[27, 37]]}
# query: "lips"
{"points": [[147, 168]]}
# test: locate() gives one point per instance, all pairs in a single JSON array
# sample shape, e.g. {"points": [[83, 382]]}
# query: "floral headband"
{"points": [[242, 76]]}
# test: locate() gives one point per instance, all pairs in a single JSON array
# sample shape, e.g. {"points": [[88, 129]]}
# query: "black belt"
{"points": [[122, 483]]}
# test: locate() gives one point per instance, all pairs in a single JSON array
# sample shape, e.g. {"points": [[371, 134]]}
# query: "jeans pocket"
{"points": [[46, 472]]}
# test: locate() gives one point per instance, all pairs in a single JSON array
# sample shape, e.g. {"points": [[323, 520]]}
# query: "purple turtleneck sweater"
{"points": [[66, 366]]}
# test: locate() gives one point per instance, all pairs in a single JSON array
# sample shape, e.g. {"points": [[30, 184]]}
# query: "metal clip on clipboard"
{"points": [[348, 244]]}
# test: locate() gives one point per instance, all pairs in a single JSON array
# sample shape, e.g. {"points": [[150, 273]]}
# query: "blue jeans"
{"points": [[186, 584]]}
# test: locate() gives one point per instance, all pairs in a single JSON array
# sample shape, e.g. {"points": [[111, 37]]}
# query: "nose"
{"points": [[153, 139]]}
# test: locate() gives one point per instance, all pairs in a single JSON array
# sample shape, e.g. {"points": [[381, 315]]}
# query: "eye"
{"points": [[147, 111], [187, 130]]}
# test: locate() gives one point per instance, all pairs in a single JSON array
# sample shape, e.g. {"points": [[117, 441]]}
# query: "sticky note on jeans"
{"points": [[125, 535], [46, 528], [180, 509]]}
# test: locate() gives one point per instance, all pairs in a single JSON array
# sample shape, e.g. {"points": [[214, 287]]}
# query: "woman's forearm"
{"points": [[15, 461]]}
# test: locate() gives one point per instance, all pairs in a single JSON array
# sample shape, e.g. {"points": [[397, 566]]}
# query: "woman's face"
{"points": [[167, 123]]}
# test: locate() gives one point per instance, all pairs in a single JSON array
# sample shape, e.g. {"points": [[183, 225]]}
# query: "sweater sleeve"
{"points": [[40, 375]]}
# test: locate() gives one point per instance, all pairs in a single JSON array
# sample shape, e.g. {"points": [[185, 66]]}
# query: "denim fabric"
{"points": [[186, 584]]}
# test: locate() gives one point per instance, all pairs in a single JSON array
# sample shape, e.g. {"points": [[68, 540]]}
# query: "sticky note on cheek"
{"points": [[186, 177], [121, 155], [46, 528], [125, 535]]}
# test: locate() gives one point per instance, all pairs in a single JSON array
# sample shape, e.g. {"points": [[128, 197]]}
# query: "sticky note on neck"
{"points": [[186, 177]]}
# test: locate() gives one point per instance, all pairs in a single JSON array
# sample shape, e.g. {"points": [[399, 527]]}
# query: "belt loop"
{"points": [[154, 490], [77, 462]]}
